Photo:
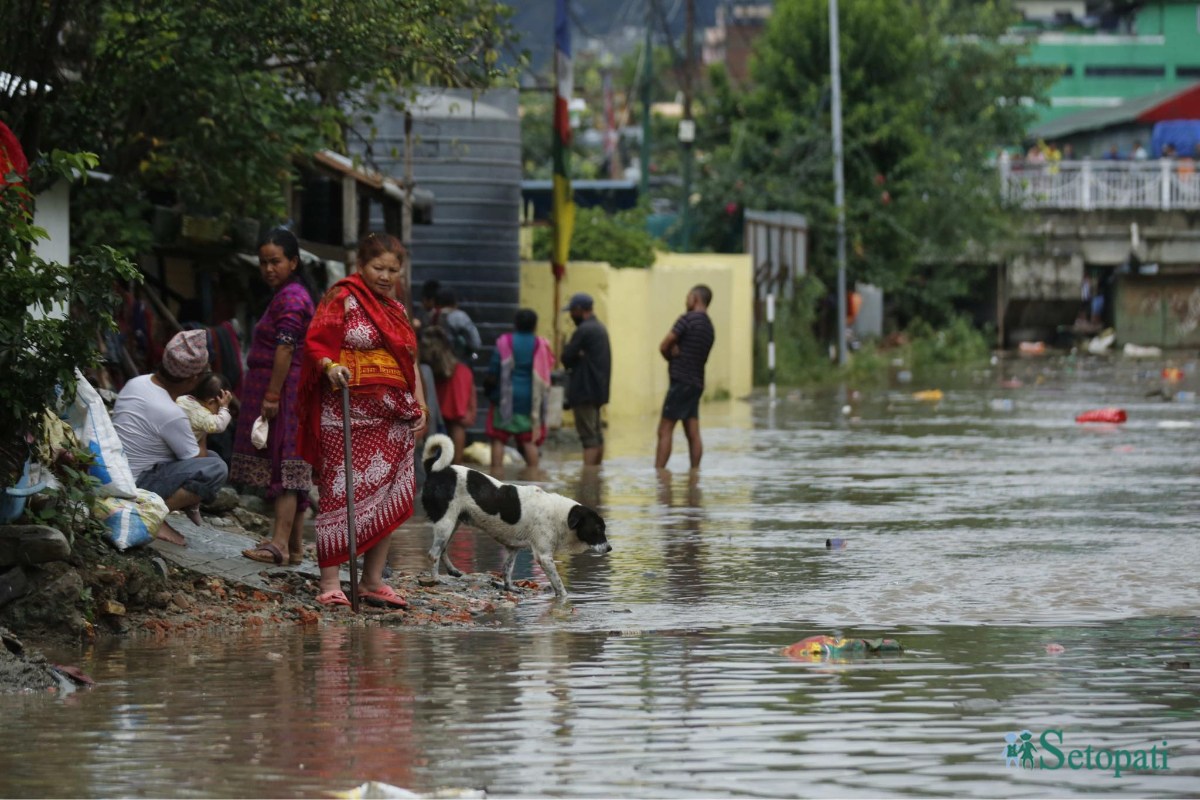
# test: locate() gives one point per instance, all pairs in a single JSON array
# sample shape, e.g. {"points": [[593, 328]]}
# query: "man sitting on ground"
{"points": [[158, 440]]}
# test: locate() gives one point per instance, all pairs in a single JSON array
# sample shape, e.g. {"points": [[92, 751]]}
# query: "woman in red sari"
{"points": [[360, 337]]}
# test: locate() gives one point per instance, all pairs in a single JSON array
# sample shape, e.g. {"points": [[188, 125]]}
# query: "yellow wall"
{"points": [[639, 306]]}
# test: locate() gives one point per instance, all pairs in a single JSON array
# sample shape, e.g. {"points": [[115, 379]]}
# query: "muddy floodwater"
{"points": [[1042, 576]]}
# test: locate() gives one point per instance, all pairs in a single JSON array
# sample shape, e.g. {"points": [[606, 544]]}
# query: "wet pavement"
{"points": [[216, 552]]}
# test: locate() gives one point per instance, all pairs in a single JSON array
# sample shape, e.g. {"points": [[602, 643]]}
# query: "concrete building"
{"points": [[1108, 53], [731, 40]]}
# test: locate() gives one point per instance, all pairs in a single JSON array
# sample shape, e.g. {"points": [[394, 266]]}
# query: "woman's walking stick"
{"points": [[351, 533]]}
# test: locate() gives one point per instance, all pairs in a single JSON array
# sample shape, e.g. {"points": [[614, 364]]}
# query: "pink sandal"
{"points": [[383, 596], [335, 597]]}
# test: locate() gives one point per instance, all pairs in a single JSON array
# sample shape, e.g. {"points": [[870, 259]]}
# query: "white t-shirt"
{"points": [[152, 429]]}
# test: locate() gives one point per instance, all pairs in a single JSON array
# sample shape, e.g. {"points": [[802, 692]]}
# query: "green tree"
{"points": [[619, 239], [928, 92], [204, 104], [41, 347]]}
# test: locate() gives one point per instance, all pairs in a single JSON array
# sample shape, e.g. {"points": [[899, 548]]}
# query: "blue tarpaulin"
{"points": [[1184, 134]]}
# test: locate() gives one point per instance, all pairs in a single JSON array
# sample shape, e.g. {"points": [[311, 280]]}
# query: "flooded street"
{"points": [[1042, 575]]}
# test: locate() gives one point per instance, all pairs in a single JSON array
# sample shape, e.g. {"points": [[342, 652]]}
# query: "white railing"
{"points": [[1163, 184]]}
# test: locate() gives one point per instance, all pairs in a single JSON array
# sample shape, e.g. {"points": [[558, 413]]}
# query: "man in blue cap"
{"points": [[589, 358]]}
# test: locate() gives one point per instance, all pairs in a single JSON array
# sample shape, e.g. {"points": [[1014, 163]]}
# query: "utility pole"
{"points": [[839, 178], [647, 89], [687, 129], [406, 217]]}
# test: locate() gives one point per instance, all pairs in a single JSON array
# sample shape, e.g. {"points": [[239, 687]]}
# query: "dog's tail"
{"points": [[441, 444]]}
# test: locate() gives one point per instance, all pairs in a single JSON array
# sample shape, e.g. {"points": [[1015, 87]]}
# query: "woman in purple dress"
{"points": [[269, 390]]}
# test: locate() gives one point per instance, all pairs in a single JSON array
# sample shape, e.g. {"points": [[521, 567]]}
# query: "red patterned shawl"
{"points": [[325, 339]]}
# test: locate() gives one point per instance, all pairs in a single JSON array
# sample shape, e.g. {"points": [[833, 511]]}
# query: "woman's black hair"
{"points": [[285, 240], [525, 321], [429, 290]]}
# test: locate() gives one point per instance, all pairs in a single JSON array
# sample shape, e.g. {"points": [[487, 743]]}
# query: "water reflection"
{"points": [[1040, 575]]}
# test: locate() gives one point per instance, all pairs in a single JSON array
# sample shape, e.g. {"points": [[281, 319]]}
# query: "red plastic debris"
{"points": [[1103, 415]]}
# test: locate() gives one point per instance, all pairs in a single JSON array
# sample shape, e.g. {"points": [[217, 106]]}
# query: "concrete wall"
{"points": [[52, 211], [1162, 310], [639, 306]]}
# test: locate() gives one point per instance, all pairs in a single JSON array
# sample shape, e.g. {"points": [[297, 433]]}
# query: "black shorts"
{"points": [[683, 401]]}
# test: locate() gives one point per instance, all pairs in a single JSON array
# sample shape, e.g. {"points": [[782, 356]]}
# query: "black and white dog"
{"points": [[517, 517]]}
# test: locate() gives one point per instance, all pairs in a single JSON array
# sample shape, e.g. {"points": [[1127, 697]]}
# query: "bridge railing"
{"points": [[1163, 184]]}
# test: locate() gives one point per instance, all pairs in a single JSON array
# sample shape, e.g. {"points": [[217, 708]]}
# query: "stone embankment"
{"points": [[55, 593]]}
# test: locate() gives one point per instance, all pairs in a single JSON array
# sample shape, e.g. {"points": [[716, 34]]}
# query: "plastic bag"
{"points": [[95, 430], [259, 433], [131, 523]]}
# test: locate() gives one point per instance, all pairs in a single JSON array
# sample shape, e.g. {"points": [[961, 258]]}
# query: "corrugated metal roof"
{"points": [[1133, 110]]}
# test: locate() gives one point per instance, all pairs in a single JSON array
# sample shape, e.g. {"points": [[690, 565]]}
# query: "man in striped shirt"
{"points": [[686, 349]]}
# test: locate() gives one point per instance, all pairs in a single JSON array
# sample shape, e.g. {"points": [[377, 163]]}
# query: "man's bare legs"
{"points": [[666, 428], [179, 501], [691, 429], [592, 456]]}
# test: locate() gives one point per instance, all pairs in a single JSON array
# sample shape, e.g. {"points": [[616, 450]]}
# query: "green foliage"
{"points": [[619, 239], [51, 314], [959, 342], [537, 144], [204, 104], [68, 508], [928, 90], [799, 357]]}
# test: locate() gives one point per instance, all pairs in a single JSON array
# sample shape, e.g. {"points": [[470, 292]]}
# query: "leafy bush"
{"points": [[619, 239], [960, 342], [803, 359], [39, 349], [799, 357]]}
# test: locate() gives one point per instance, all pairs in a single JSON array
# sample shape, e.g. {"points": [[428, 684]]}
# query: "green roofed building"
{"points": [[1111, 52]]}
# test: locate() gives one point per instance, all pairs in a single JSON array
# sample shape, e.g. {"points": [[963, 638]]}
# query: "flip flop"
{"points": [[265, 553], [335, 597], [383, 596]]}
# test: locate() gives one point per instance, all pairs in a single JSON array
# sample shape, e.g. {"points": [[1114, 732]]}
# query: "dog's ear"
{"points": [[575, 516]]}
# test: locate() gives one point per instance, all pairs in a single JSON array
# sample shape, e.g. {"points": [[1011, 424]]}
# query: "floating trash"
{"points": [[928, 395], [816, 648], [1138, 351], [375, 790], [1110, 415]]}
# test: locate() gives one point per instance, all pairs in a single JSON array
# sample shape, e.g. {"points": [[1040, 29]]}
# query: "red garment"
{"points": [[456, 396], [382, 417], [326, 339], [12, 156]]}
